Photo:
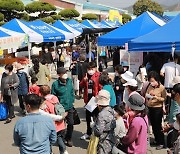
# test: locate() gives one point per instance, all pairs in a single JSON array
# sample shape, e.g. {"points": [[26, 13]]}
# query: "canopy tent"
{"points": [[101, 25], [76, 25], [114, 24], [63, 26], [12, 39], [107, 24], [161, 39], [89, 24], [38, 31], [143, 24]]}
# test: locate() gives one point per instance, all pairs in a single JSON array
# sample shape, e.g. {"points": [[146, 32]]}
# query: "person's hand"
{"points": [[86, 78], [166, 128], [65, 115], [1, 98]]}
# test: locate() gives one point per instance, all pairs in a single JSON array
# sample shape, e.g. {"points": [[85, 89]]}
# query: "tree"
{"points": [[48, 20], [89, 16], [126, 18], [11, 8], [147, 5], [1, 17], [41, 7], [56, 17], [69, 13]]}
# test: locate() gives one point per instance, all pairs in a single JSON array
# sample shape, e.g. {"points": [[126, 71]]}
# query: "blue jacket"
{"points": [[109, 88], [23, 87], [34, 134]]}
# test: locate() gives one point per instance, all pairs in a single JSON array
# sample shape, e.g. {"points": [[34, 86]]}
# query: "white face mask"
{"points": [[176, 125], [116, 74], [65, 76], [6, 71], [91, 72], [59, 50], [46, 50]]}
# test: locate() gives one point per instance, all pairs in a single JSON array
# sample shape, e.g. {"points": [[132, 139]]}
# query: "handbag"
{"points": [[92, 146], [3, 111], [76, 117]]}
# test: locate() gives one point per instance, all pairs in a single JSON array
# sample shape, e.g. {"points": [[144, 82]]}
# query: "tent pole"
{"points": [[97, 57], [129, 60], [55, 46], [29, 51]]}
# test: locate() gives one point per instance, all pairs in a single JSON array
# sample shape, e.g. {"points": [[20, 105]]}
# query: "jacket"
{"points": [[96, 86], [64, 92], [23, 87], [136, 137], [50, 101], [109, 88], [104, 129]]}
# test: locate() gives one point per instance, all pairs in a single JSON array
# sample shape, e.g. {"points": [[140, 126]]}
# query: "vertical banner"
{"points": [[114, 15], [135, 59]]}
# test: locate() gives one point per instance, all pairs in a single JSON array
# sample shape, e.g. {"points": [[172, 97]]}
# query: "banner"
{"points": [[134, 59], [114, 15], [13, 41]]}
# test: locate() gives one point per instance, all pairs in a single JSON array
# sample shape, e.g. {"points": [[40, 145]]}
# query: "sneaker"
{"points": [[85, 137], [65, 152], [159, 147], [69, 143]]}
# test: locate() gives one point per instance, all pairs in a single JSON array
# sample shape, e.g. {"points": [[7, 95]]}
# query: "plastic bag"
{"points": [[92, 146], [3, 111]]}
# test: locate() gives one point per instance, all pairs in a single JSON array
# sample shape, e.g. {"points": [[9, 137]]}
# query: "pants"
{"points": [[70, 122], [10, 106], [60, 141], [88, 119], [21, 101], [119, 99], [155, 116]]}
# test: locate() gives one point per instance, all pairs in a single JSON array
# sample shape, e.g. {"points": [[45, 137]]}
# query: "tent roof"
{"points": [[89, 24], [161, 39], [143, 24], [101, 25]]}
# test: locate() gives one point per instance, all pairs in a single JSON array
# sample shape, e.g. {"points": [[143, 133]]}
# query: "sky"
{"points": [[125, 3]]}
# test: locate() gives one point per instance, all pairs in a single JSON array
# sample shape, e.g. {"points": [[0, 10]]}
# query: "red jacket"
{"points": [[96, 86]]}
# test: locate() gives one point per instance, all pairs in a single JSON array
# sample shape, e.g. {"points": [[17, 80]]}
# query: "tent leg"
{"points": [[129, 60], [29, 51]]}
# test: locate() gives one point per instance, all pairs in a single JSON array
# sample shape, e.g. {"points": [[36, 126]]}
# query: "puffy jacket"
{"points": [[96, 86], [64, 92]]}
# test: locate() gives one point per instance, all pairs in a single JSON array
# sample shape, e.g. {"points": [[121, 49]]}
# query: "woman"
{"points": [[155, 98], [9, 90], [140, 78], [104, 80], [105, 123], [41, 71], [135, 141]]}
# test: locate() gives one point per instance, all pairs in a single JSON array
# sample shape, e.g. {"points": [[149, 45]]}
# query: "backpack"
{"points": [[59, 109]]}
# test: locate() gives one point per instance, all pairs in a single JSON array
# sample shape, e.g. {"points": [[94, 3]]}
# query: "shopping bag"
{"points": [[3, 111], [92, 146], [76, 84], [76, 117]]}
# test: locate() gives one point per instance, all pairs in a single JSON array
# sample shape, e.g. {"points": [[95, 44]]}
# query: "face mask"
{"points": [[153, 84], [116, 74], [65, 76], [91, 72], [46, 50], [6, 71], [59, 50], [176, 125]]}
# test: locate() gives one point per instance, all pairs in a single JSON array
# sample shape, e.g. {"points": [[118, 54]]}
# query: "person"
{"points": [[104, 80], [118, 86], [116, 57], [135, 140], [140, 78], [103, 56], [105, 123], [63, 89], [34, 88], [34, 133], [60, 58], [176, 93], [9, 90], [67, 60], [50, 102], [41, 71], [91, 86], [125, 65], [75, 53], [155, 98], [46, 55], [120, 130], [23, 87]]}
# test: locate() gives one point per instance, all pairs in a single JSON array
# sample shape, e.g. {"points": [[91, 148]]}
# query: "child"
{"points": [[34, 89]]}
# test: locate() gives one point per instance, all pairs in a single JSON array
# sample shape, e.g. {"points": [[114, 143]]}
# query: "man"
{"points": [[34, 133], [176, 93], [91, 86], [63, 89]]}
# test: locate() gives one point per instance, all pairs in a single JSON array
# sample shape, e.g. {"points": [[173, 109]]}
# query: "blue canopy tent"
{"points": [[101, 25], [107, 24], [76, 25], [89, 24], [161, 39], [143, 24], [63, 26]]}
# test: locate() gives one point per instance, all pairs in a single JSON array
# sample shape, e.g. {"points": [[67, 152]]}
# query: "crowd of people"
{"points": [[128, 106]]}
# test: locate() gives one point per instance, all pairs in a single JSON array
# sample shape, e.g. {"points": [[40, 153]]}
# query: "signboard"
{"points": [[114, 15], [135, 59]]}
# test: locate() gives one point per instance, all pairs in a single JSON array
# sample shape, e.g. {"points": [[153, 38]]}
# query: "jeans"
{"points": [[21, 100], [155, 116], [10, 106], [119, 99], [88, 119], [60, 141], [70, 122]]}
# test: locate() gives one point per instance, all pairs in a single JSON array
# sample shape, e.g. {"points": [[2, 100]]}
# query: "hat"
{"points": [[61, 70], [131, 82], [127, 76], [124, 64], [136, 102], [176, 80], [19, 66], [103, 98]]}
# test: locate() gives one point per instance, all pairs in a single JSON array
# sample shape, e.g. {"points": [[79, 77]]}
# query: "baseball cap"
{"points": [[131, 82], [103, 98]]}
